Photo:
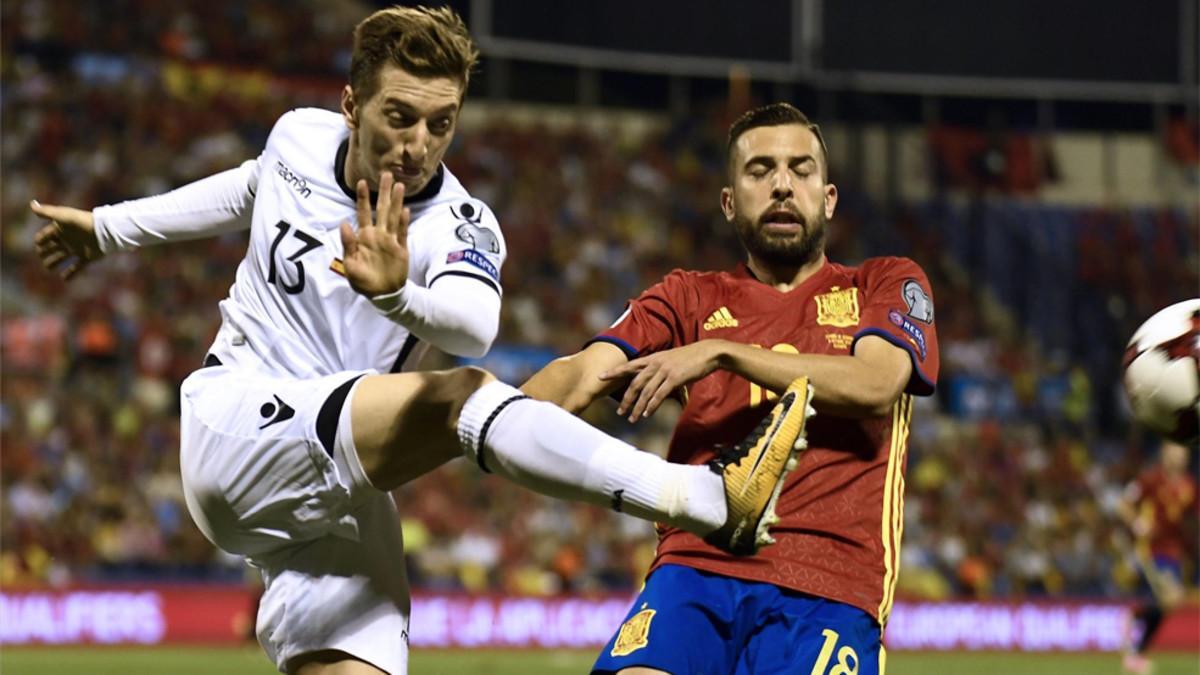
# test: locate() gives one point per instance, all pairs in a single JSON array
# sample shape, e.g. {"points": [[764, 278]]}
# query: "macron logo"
{"points": [[720, 319], [298, 182]]}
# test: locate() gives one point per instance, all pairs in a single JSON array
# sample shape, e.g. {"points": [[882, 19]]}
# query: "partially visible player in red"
{"points": [[1156, 507], [725, 343]]}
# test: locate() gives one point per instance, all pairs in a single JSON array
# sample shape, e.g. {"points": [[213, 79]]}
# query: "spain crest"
{"points": [[634, 633], [838, 307]]}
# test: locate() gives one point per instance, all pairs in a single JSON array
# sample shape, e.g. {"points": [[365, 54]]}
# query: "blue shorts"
{"points": [[689, 622], [1170, 566], [1162, 576]]}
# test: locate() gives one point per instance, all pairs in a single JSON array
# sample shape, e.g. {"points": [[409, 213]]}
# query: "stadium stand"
{"points": [[1015, 468]]}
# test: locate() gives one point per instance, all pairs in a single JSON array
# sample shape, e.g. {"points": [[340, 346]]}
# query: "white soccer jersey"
{"points": [[291, 311], [260, 476]]}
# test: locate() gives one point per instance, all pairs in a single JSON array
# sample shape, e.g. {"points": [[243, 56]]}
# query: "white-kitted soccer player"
{"points": [[302, 419]]}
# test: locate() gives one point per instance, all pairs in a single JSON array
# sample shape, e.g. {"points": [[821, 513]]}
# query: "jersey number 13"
{"points": [[308, 243]]}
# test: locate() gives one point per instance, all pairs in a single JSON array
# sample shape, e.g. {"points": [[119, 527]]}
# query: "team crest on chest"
{"points": [[838, 307], [634, 633]]}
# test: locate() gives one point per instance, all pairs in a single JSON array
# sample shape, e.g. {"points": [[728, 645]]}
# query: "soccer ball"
{"points": [[1162, 372]]}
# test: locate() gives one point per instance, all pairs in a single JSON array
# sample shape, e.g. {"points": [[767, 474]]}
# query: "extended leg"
{"points": [[406, 425], [730, 501]]}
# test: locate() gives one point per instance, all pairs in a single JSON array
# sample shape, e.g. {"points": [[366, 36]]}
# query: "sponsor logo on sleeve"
{"points": [[915, 335], [478, 237], [476, 259], [471, 231], [920, 306]]}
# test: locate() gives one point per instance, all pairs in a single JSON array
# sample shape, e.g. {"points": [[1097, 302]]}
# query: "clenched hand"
{"points": [[69, 236]]}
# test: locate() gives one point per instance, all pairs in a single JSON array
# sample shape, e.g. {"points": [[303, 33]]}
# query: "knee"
{"points": [[470, 378], [458, 385], [445, 392]]}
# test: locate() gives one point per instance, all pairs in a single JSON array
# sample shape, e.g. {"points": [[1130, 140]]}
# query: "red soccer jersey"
{"points": [[841, 509], [1166, 501]]}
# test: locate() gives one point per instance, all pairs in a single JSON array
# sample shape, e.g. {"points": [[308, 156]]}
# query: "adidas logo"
{"points": [[720, 319]]}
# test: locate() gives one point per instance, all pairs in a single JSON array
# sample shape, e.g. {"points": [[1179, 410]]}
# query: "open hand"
{"points": [[376, 256], [657, 375], [69, 236]]}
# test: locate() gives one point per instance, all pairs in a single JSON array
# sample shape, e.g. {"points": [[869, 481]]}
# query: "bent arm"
{"points": [[864, 384], [573, 382], [1127, 505], [214, 205], [457, 314]]}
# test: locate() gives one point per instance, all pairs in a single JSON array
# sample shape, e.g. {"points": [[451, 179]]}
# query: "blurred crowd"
{"points": [[1015, 466]]}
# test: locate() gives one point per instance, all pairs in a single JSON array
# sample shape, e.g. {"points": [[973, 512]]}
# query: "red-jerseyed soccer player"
{"points": [[726, 341], [1156, 507]]}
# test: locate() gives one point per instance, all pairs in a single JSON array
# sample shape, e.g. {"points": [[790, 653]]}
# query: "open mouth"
{"points": [[402, 172], [782, 220]]}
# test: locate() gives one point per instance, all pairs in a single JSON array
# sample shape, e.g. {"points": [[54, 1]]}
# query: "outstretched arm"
{"points": [[573, 382], [213, 205]]}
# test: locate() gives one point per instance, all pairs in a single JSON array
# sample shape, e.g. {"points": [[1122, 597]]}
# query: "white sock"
{"points": [[548, 450]]}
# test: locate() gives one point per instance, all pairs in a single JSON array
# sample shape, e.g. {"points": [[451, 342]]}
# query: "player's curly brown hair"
{"points": [[424, 41], [773, 115]]}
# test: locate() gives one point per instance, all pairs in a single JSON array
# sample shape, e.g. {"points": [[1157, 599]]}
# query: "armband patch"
{"points": [[477, 259], [916, 335]]}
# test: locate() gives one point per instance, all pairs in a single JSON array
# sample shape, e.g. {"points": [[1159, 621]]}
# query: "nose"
{"points": [[416, 143], [781, 186]]}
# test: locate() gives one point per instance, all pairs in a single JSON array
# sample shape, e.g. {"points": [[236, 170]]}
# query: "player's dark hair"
{"points": [[774, 115], [424, 41]]}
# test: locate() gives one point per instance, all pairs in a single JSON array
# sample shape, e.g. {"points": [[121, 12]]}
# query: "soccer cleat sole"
{"points": [[760, 519], [762, 534]]}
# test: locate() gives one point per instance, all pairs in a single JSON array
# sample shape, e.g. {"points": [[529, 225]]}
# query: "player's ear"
{"points": [[349, 109], [831, 195], [727, 203]]}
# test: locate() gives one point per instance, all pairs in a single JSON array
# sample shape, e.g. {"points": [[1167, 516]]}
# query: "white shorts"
{"points": [[259, 483]]}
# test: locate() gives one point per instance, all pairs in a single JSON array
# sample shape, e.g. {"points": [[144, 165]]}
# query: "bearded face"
{"points": [[782, 235], [778, 200]]}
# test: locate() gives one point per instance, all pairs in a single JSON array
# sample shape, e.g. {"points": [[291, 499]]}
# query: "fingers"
{"points": [[397, 221], [62, 215], [362, 203], [53, 259], [651, 391], [49, 211], [383, 203], [52, 250], [653, 401], [48, 239], [74, 269], [46, 235], [633, 392], [402, 226], [349, 241]]}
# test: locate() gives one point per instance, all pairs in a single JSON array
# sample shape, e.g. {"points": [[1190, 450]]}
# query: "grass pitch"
{"points": [[250, 661]]}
